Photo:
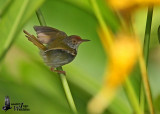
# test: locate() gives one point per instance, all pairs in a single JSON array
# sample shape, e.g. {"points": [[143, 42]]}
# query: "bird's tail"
{"points": [[35, 41]]}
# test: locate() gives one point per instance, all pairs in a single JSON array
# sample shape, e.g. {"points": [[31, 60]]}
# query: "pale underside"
{"points": [[57, 57]]}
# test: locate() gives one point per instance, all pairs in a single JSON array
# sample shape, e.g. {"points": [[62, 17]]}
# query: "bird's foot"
{"points": [[58, 71], [52, 69]]}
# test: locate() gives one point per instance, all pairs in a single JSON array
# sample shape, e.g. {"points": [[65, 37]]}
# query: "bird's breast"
{"points": [[57, 57]]}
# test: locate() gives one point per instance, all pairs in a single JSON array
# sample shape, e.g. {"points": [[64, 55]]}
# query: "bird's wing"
{"points": [[71, 51], [34, 40], [47, 34]]}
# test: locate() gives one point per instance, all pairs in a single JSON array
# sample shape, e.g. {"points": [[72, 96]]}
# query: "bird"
{"points": [[56, 47], [7, 104]]}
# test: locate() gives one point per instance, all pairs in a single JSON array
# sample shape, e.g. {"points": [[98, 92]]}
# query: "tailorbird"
{"points": [[56, 48]]}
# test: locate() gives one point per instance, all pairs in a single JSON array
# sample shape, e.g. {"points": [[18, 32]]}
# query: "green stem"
{"points": [[67, 91], [146, 52], [142, 97], [128, 86], [132, 96], [102, 23], [62, 76], [41, 18], [147, 34]]}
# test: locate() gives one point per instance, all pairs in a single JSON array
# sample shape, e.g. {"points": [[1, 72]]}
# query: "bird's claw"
{"points": [[58, 71]]}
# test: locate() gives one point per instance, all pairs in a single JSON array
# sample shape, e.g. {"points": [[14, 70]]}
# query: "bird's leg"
{"points": [[58, 71], [52, 69]]}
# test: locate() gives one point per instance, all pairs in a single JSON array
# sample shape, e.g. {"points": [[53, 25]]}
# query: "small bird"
{"points": [[56, 48], [7, 104]]}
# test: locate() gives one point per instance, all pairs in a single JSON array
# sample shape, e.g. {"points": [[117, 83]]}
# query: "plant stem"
{"points": [[101, 21], [67, 91], [147, 34], [146, 52], [146, 83], [62, 76], [142, 97], [109, 40], [132, 96], [41, 18]]}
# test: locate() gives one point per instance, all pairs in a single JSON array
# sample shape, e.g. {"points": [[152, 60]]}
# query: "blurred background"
{"points": [[25, 78]]}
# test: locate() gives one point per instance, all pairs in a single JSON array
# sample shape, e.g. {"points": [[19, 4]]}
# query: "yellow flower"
{"points": [[130, 5], [123, 55]]}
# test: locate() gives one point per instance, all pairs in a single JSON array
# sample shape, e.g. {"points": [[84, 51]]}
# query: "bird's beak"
{"points": [[85, 40]]}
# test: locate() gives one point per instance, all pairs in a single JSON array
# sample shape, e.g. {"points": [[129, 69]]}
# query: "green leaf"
{"points": [[4, 4], [13, 20]]}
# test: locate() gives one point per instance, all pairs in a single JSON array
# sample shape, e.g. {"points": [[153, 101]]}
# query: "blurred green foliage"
{"points": [[25, 78]]}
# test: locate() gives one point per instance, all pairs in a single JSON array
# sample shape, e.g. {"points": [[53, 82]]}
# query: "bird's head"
{"points": [[74, 41]]}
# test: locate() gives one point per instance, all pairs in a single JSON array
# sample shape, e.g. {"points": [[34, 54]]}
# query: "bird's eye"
{"points": [[74, 41]]}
